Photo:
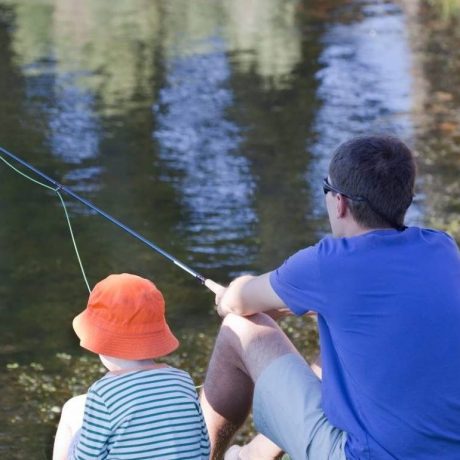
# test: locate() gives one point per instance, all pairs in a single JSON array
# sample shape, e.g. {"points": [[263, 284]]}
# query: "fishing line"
{"points": [[58, 188]]}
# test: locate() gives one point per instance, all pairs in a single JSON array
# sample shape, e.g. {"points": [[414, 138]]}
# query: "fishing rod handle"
{"points": [[217, 288]]}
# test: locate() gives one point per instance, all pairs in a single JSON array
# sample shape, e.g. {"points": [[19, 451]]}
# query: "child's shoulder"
{"points": [[170, 373], [174, 371], [112, 380]]}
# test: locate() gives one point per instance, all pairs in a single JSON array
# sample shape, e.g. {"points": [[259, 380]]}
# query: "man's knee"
{"points": [[257, 339], [247, 327]]}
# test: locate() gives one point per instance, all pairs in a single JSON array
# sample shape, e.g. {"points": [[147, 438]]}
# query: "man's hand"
{"points": [[231, 299], [247, 295], [228, 298]]}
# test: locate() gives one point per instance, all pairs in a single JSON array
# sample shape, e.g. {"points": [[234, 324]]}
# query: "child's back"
{"points": [[152, 413]]}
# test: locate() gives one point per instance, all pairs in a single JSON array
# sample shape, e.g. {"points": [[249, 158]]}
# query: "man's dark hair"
{"points": [[379, 169]]}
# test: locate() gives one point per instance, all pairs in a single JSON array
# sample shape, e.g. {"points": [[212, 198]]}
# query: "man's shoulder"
{"points": [[430, 238], [378, 245], [383, 236], [430, 232]]}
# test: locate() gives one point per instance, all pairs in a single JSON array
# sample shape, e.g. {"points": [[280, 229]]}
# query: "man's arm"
{"points": [[246, 295]]}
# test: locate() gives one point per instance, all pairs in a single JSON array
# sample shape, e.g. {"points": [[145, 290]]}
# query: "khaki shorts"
{"points": [[287, 410]]}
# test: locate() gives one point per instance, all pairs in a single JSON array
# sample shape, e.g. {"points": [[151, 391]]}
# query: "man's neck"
{"points": [[355, 229]]}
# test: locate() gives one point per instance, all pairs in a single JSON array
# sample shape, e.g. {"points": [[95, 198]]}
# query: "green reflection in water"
{"points": [[108, 45]]}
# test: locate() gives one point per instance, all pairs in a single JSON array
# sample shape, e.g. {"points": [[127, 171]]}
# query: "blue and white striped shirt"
{"points": [[145, 414]]}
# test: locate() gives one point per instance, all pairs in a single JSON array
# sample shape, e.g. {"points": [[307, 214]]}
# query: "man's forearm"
{"points": [[248, 295]]}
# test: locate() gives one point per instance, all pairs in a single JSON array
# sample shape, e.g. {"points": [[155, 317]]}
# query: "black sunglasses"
{"points": [[327, 187]]}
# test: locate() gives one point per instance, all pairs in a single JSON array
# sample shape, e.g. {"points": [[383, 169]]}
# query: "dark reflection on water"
{"points": [[206, 126]]}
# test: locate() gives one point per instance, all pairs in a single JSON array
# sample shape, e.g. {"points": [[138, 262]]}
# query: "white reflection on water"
{"points": [[365, 83], [73, 126], [197, 145]]}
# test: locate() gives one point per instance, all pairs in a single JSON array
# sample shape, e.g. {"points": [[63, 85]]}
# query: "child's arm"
{"points": [[70, 422], [95, 430]]}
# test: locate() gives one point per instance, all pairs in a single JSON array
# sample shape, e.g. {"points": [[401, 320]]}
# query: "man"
{"points": [[388, 305]]}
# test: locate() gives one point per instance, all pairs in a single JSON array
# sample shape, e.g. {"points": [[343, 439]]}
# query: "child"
{"points": [[139, 409]]}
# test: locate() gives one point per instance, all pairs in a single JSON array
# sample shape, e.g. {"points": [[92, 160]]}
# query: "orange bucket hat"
{"points": [[125, 318]]}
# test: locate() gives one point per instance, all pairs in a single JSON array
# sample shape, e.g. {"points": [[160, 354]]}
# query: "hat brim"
{"points": [[104, 341]]}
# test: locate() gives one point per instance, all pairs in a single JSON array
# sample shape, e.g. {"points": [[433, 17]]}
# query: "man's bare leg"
{"points": [[244, 348]]}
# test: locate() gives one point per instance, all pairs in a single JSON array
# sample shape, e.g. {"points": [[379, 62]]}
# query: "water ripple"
{"points": [[365, 82], [198, 144]]}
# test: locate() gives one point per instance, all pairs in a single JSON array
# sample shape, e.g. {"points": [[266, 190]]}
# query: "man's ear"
{"points": [[341, 205]]}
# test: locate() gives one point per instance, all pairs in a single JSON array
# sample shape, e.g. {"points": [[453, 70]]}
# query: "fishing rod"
{"points": [[61, 188]]}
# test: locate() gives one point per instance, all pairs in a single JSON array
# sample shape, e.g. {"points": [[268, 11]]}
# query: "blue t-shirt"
{"points": [[388, 307]]}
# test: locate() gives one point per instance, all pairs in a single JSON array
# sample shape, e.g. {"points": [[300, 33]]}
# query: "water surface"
{"points": [[207, 127]]}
